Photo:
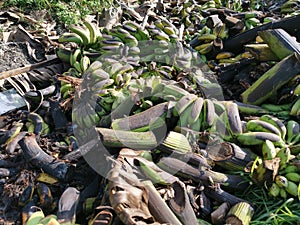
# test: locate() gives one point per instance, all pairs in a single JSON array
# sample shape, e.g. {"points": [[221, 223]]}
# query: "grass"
{"points": [[65, 11], [271, 211]]}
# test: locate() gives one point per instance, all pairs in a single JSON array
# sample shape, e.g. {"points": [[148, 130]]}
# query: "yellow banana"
{"points": [[224, 55]]}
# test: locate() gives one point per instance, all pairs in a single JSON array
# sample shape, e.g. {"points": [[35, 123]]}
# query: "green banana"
{"points": [[83, 32], [84, 63], [49, 220], [63, 54], [274, 190], [77, 66], [257, 138], [219, 107], [249, 109], [196, 126], [292, 176], [93, 30], [295, 110], [283, 193], [70, 37], [174, 90], [184, 116], [284, 154], [183, 103], [35, 218], [268, 150], [74, 56], [292, 188], [276, 108], [293, 128], [291, 169], [262, 126], [275, 122], [142, 119]]}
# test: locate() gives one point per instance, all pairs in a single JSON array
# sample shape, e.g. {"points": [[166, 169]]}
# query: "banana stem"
{"points": [[240, 214], [130, 139]]}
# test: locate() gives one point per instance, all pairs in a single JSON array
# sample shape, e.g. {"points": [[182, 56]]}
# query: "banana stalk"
{"points": [[35, 155], [158, 207], [261, 52], [143, 119], [240, 214], [230, 156], [280, 42], [134, 140], [181, 205], [173, 165], [271, 81]]}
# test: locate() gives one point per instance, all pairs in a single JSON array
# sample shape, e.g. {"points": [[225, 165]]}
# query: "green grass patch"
{"points": [[64, 11], [269, 210]]}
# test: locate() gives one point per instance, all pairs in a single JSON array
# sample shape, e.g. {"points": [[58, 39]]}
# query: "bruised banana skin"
{"points": [[184, 102], [196, 111], [257, 138], [233, 117], [275, 122], [262, 126], [208, 113]]}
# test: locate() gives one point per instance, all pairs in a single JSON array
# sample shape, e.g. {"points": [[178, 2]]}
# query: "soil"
{"points": [[14, 55]]}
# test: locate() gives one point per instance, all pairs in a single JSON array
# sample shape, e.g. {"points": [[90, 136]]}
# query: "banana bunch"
{"points": [[287, 183], [163, 30], [84, 35], [66, 89], [204, 41]]}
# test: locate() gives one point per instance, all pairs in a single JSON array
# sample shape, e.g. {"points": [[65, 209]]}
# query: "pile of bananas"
{"points": [[137, 71]]}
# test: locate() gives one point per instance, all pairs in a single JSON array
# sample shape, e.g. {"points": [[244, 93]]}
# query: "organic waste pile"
{"points": [[157, 113]]}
